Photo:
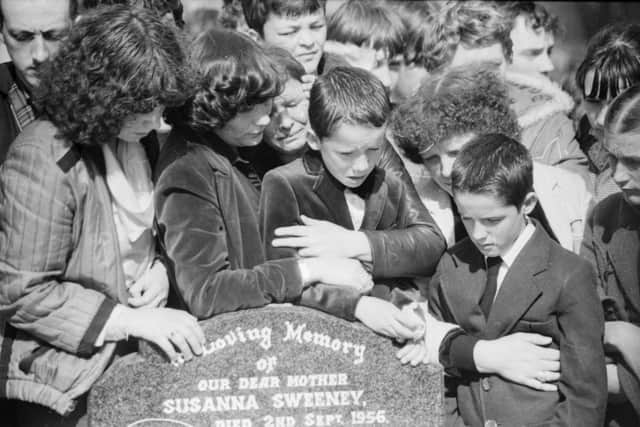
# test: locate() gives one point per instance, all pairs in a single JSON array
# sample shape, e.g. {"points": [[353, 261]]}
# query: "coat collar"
{"points": [[331, 192], [522, 285]]}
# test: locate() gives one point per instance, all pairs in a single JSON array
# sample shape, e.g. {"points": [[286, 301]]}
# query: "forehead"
{"points": [[524, 36], [35, 15], [625, 146], [464, 55], [483, 205], [292, 91], [348, 135], [277, 21]]}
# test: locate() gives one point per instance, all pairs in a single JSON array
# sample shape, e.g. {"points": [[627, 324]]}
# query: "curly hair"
{"points": [[418, 22], [117, 61], [474, 24], [536, 15], [462, 100], [235, 74]]}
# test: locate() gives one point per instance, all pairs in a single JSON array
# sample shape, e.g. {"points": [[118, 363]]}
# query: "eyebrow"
{"points": [[533, 52]]}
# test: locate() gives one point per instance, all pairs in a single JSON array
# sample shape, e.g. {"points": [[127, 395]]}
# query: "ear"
{"points": [[253, 34], [529, 203], [313, 141]]}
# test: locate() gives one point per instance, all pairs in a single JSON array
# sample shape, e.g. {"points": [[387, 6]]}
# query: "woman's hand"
{"points": [[152, 289]]}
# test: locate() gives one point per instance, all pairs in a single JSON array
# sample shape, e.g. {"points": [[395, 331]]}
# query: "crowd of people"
{"points": [[405, 164]]}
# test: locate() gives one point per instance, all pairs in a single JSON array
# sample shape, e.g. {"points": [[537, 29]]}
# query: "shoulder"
{"points": [[39, 141], [608, 213]]}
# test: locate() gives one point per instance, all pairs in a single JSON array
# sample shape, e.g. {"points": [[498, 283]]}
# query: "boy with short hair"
{"points": [[509, 276], [350, 207]]}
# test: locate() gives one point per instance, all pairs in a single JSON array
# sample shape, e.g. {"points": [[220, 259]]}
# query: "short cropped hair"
{"points": [[474, 24], [117, 61], [614, 56], [256, 12], [370, 23], [286, 63], [623, 116], [161, 7], [494, 164], [459, 101], [347, 95], [235, 74], [535, 15], [73, 10]]}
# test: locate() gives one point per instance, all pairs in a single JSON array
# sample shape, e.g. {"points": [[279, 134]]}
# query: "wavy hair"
{"points": [[462, 100], [474, 24], [234, 73], [117, 61]]}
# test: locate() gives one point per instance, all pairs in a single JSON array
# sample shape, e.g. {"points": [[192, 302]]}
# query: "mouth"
{"points": [[291, 137], [308, 55]]}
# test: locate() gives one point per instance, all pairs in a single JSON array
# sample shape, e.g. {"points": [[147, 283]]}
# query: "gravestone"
{"points": [[278, 366]]}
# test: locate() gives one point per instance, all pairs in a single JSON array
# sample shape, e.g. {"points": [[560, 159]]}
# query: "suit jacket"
{"points": [[405, 242], [548, 290], [612, 244]]}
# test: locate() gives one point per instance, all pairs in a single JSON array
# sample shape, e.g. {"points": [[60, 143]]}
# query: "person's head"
{"points": [[32, 31], [448, 110], [238, 82], [611, 64], [492, 183], [113, 76], [368, 33], [169, 10], [465, 32], [622, 142], [298, 26], [409, 66], [348, 111], [287, 132], [533, 36]]}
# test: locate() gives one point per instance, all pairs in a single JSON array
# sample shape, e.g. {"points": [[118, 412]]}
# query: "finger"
{"points": [[401, 331], [290, 242], [537, 385], [143, 300], [544, 353], [310, 221], [404, 351], [138, 287], [536, 339], [292, 230], [167, 348], [179, 340], [193, 340], [550, 376], [550, 366], [309, 252]]}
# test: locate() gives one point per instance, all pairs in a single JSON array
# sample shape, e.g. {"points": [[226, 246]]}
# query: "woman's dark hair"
{"points": [[286, 63], [235, 74], [614, 56], [117, 61], [494, 164]]}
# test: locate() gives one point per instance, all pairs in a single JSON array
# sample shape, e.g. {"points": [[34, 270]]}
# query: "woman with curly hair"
{"points": [[207, 194], [448, 110], [78, 268]]}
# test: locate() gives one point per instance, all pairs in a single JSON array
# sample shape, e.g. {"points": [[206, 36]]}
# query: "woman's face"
{"points": [[247, 127], [138, 126]]}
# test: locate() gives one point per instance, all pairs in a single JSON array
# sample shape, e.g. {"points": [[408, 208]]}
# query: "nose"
{"points": [[546, 66], [263, 120], [39, 50], [384, 75], [601, 115], [446, 166], [619, 173], [305, 38], [360, 165], [478, 232], [285, 122]]}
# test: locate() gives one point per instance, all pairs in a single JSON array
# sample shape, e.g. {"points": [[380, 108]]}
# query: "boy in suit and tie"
{"points": [[507, 277], [346, 206]]}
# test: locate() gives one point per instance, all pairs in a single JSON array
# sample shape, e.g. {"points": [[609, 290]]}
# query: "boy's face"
{"points": [[247, 127], [303, 36], [408, 78], [595, 109], [531, 48], [624, 159], [492, 226], [440, 157], [351, 152], [288, 129]]}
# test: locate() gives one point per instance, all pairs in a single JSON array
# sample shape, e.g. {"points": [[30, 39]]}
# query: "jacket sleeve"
{"points": [[583, 380], [416, 245], [279, 208], [193, 234], [37, 210]]}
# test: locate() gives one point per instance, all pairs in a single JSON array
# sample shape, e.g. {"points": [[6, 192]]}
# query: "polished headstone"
{"points": [[278, 366]]}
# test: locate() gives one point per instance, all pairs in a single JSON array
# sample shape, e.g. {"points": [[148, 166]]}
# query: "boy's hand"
{"points": [[152, 289], [522, 358], [385, 318], [317, 238], [414, 352], [625, 338], [339, 272]]}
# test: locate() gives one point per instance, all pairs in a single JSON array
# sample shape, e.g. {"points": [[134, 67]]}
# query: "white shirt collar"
{"points": [[510, 255]]}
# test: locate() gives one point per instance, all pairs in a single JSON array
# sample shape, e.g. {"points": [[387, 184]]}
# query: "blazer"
{"points": [[207, 214], [405, 242], [548, 290], [612, 245]]}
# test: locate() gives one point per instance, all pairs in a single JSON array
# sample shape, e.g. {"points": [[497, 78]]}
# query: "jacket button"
{"points": [[490, 423], [486, 385]]}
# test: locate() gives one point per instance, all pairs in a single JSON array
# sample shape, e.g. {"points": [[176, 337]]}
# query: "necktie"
{"points": [[493, 266]]}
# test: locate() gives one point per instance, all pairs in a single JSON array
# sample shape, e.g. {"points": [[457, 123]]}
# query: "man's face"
{"points": [[492, 54], [33, 31], [247, 127], [303, 36], [531, 48], [288, 129], [351, 152], [492, 226], [624, 159], [440, 157]]}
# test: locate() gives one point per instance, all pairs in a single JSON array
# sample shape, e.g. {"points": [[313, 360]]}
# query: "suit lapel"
{"points": [[464, 289], [625, 243], [376, 202], [522, 285]]}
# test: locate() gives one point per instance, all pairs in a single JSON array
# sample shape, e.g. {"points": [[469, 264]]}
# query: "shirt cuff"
{"points": [[456, 351]]}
